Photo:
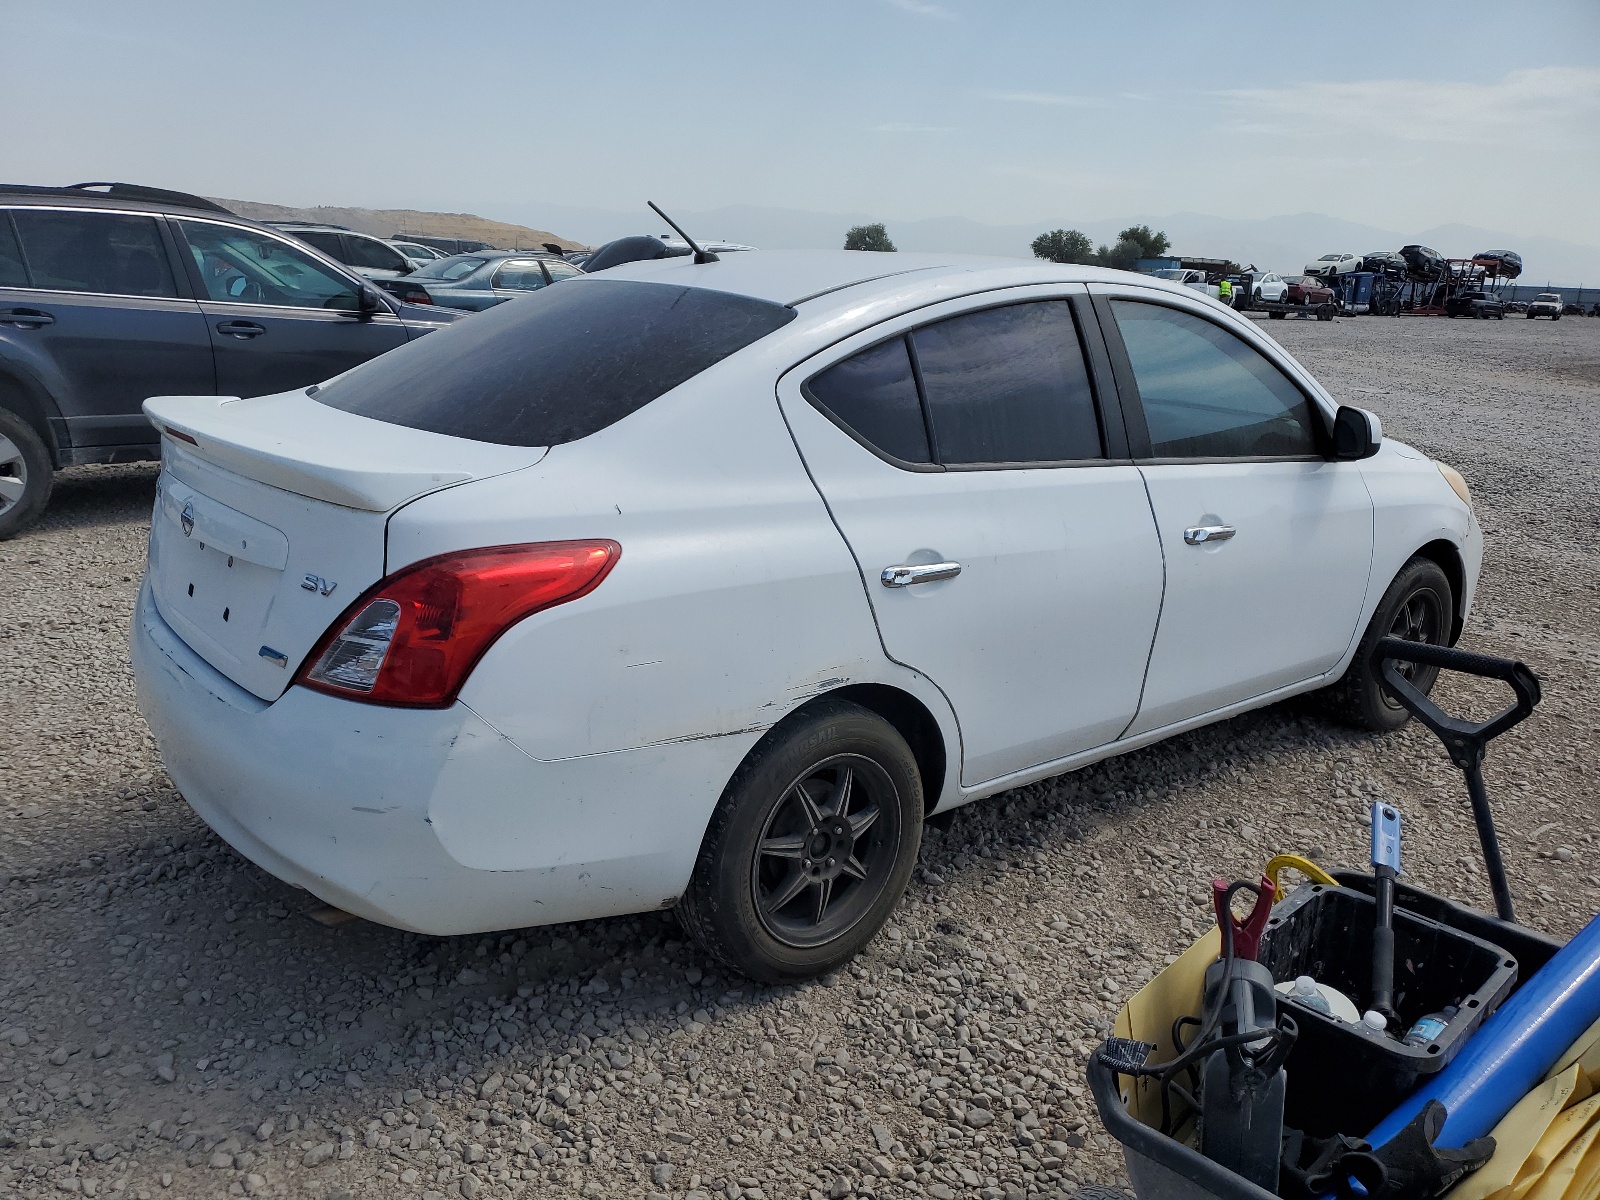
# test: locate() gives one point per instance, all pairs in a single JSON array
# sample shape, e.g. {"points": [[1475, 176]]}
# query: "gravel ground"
{"points": [[174, 1023]]}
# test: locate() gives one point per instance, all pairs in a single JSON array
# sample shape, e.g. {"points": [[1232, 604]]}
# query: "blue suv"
{"points": [[112, 293]]}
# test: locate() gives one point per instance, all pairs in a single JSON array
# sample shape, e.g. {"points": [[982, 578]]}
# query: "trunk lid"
{"points": [[270, 520]]}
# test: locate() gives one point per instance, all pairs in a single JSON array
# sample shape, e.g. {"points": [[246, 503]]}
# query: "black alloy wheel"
{"points": [[1418, 606], [810, 847], [826, 850]]}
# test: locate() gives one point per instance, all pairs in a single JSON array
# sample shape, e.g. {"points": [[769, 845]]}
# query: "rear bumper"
{"points": [[424, 819]]}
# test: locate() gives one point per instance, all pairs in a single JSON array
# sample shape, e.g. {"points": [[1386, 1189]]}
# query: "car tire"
{"points": [[1418, 605], [26, 475], [782, 888]]}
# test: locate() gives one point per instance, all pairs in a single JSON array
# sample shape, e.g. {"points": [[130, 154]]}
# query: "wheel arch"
{"points": [[1448, 557], [910, 717], [20, 396]]}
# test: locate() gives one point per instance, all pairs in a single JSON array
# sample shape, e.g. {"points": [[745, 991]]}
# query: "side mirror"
{"points": [[368, 305], [1357, 433]]}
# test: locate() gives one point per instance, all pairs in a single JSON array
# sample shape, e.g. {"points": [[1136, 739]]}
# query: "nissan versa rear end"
{"points": [[701, 584]]}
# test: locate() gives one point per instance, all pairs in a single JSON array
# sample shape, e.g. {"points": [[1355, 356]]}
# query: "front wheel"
{"points": [[25, 475], [1419, 606], [810, 847]]}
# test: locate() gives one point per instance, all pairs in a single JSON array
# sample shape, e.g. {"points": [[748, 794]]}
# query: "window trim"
{"points": [[1087, 331], [1132, 404]]}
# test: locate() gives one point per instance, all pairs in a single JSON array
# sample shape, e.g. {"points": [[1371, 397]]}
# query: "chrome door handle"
{"points": [[905, 575], [1199, 535]]}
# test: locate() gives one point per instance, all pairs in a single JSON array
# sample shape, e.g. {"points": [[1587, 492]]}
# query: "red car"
{"points": [[1304, 289]]}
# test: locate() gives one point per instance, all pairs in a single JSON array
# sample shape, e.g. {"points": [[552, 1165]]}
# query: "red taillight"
{"points": [[413, 639]]}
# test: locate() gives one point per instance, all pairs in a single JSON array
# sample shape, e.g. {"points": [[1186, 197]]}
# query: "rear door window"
{"points": [[330, 244], [1205, 393], [114, 253], [557, 365], [1008, 385], [374, 255], [874, 395], [519, 275]]}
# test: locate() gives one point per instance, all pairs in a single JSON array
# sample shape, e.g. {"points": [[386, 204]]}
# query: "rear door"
{"points": [[278, 318], [1005, 545], [97, 313], [1268, 543]]}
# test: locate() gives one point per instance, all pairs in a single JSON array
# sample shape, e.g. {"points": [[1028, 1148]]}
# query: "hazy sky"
{"points": [[1401, 114]]}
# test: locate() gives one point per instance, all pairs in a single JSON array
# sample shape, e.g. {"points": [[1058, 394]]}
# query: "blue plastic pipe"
{"points": [[1514, 1049]]}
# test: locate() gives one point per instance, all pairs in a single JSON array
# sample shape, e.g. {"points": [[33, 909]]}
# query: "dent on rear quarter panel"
{"points": [[734, 599]]}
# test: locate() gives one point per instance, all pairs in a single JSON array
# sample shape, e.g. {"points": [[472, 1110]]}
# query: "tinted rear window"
{"points": [[555, 365], [94, 252], [874, 394]]}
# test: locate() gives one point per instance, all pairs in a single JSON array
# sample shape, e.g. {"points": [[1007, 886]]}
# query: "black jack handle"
{"points": [[1464, 740]]}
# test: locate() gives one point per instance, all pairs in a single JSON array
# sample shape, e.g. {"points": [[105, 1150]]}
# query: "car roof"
{"points": [[795, 277]]}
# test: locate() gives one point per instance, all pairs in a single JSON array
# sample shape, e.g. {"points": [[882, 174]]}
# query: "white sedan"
{"points": [[703, 585], [1330, 265], [1270, 287]]}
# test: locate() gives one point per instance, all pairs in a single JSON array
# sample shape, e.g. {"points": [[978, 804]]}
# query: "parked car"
{"points": [[1572, 309], [1545, 304], [416, 253], [716, 247], [555, 617], [479, 281], [110, 296], [1184, 277], [1424, 263], [1267, 287], [1334, 264], [1517, 306], [1306, 289], [371, 256], [1475, 304], [1384, 262]]}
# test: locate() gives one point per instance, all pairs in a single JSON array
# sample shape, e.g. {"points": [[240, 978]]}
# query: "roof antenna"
{"points": [[700, 256]]}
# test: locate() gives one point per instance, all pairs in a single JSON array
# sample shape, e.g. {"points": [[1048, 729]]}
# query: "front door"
{"points": [[279, 319], [1268, 543], [1005, 555], [99, 316]]}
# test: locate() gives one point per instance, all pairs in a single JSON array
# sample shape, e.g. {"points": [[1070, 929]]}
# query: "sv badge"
{"points": [[316, 583]]}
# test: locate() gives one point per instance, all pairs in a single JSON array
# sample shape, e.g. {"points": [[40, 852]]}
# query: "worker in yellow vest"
{"points": [[1225, 292]]}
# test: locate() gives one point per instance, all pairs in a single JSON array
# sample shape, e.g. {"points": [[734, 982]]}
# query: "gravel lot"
{"points": [[173, 1023]]}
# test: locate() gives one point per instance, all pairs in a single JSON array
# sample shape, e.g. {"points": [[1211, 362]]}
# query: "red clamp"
{"points": [[1246, 933]]}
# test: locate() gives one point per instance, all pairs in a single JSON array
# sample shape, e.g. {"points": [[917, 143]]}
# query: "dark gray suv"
{"points": [[112, 293]]}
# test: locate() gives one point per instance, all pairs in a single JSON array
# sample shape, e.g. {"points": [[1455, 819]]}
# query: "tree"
{"points": [[1151, 244], [869, 237], [1063, 246], [1123, 256]]}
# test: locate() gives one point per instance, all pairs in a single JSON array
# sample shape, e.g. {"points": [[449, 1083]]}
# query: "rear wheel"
{"points": [[26, 476], [1419, 606], [810, 847]]}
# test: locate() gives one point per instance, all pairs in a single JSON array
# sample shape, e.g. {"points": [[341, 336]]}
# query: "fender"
{"points": [[26, 379]]}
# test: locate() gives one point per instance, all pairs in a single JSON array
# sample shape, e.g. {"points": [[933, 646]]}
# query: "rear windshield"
{"points": [[448, 268], [555, 365]]}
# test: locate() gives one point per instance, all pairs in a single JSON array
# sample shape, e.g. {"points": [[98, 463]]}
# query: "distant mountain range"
{"points": [[1284, 243]]}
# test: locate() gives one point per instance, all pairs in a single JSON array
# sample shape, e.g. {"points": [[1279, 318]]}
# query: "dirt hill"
{"points": [[395, 222]]}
